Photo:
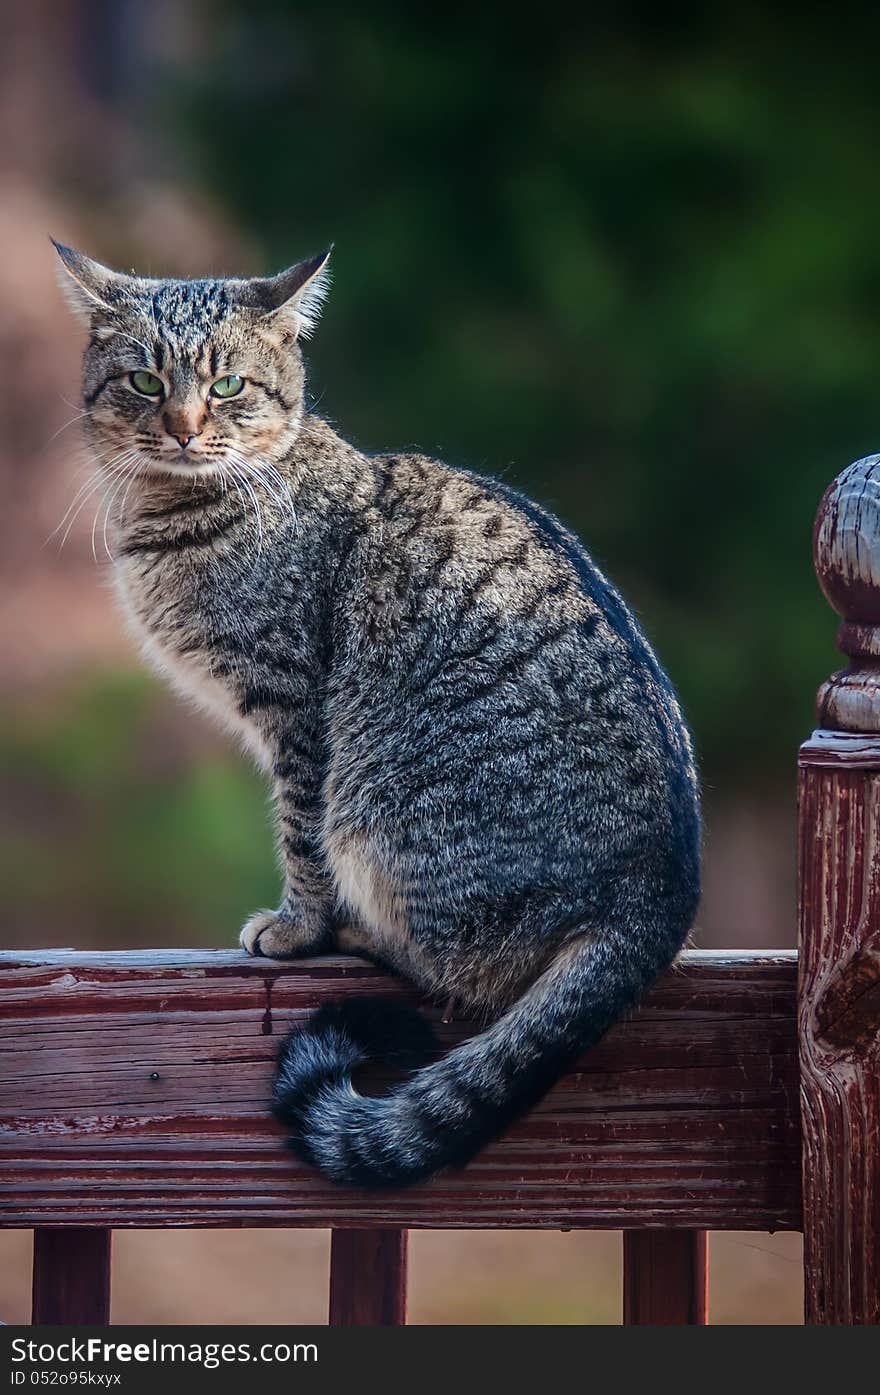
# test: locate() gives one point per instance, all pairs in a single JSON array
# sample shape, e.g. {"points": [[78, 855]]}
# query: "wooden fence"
{"points": [[134, 1085]]}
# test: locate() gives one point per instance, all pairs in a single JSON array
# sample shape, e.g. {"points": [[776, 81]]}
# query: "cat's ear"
{"points": [[296, 295], [88, 286]]}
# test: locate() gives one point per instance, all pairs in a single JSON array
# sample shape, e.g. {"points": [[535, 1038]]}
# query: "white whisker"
{"points": [[142, 464], [96, 483], [269, 477], [256, 474], [119, 474], [85, 489], [125, 481], [241, 481], [79, 416], [228, 477]]}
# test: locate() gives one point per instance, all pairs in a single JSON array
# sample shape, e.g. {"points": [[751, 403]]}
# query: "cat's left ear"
{"points": [[296, 295]]}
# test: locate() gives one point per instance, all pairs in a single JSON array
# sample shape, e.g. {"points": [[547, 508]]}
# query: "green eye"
{"points": [[230, 386], [147, 384]]}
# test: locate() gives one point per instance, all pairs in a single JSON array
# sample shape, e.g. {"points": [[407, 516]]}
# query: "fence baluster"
{"points": [[665, 1277], [368, 1278], [71, 1283]]}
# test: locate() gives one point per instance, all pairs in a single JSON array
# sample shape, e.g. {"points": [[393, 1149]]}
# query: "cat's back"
{"points": [[492, 688], [471, 603], [448, 550], [446, 543]]}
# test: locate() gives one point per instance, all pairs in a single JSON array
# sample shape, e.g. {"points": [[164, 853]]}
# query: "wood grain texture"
{"points": [[839, 1007], [71, 1282], [134, 1092], [846, 555], [368, 1278], [665, 1278]]}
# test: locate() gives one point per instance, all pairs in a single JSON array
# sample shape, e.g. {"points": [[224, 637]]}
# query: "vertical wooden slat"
{"points": [[839, 923], [71, 1284], [368, 1278], [665, 1277]]}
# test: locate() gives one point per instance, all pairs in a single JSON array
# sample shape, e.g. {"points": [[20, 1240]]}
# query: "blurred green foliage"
{"points": [[627, 255], [126, 831]]}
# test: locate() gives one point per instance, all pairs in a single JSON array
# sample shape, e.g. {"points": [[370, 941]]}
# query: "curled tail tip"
{"points": [[337, 1039], [313, 1095]]}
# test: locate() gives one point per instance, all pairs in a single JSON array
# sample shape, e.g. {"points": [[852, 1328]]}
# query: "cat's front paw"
{"points": [[275, 936]]}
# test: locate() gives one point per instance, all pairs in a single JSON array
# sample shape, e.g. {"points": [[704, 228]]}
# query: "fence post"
{"points": [[839, 922]]}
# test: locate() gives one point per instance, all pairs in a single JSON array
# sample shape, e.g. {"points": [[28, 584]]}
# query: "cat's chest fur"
{"points": [[173, 615]]}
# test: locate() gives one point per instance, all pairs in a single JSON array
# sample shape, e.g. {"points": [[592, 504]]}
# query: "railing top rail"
{"points": [[135, 1087]]}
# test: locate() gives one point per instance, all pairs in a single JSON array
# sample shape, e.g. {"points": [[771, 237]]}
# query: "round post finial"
{"points": [[846, 554]]}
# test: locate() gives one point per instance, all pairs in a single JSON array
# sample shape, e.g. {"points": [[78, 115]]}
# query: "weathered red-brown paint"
{"points": [[135, 1089]]}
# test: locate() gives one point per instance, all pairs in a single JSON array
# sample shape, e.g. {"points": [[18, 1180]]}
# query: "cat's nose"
{"points": [[182, 427]]}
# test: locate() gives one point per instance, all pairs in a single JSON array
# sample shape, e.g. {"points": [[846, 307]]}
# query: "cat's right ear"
{"points": [[88, 287]]}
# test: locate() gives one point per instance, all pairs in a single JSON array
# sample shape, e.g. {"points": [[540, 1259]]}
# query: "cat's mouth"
{"points": [[185, 464]]}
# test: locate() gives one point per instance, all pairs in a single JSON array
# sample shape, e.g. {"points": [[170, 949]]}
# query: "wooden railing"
{"points": [[134, 1085], [137, 1088]]}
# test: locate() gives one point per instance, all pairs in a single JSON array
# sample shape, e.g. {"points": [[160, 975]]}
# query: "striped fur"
{"points": [[481, 774]]}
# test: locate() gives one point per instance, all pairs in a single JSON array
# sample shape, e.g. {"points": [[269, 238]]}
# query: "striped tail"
{"points": [[448, 1110]]}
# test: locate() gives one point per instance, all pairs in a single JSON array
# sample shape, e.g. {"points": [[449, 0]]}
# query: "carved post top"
{"points": [[846, 554]]}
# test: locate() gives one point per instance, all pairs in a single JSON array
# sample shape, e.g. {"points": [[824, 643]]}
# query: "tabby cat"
{"points": [[481, 774]]}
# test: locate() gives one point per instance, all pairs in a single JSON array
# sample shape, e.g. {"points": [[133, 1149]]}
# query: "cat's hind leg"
{"points": [[354, 939]]}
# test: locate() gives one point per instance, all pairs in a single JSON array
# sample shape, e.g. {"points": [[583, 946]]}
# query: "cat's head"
{"points": [[190, 375]]}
